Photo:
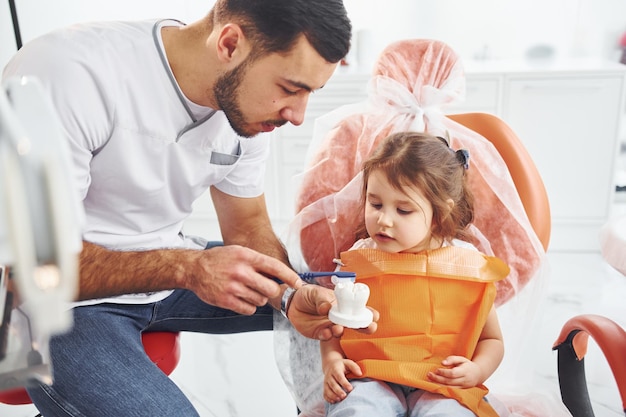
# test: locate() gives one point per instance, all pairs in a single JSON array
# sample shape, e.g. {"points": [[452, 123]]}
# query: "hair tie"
{"points": [[444, 140], [463, 156]]}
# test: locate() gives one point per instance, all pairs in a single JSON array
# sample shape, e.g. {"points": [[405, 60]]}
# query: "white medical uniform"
{"points": [[141, 153]]}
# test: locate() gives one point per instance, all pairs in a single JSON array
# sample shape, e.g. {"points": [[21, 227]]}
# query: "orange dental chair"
{"points": [[411, 78]]}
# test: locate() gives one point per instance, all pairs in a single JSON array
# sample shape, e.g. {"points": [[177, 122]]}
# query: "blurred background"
{"points": [[477, 29], [235, 375]]}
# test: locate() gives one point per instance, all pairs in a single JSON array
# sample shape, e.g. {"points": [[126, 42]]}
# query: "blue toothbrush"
{"points": [[325, 278]]}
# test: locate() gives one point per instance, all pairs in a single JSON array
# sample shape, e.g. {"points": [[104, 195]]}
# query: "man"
{"points": [[150, 110]]}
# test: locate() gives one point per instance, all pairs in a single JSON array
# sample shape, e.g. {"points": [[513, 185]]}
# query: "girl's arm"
{"points": [[331, 351], [462, 372], [490, 348], [335, 367]]}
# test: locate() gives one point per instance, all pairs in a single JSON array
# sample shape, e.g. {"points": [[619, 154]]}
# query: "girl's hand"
{"points": [[457, 372], [336, 385]]}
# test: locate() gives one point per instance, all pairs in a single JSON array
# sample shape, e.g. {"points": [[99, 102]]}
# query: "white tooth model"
{"points": [[350, 309]]}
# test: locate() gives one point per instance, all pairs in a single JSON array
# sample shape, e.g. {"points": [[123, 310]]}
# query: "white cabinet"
{"points": [[570, 126], [567, 114], [483, 93]]}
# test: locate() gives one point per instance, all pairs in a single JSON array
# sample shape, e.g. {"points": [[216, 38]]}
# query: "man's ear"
{"points": [[231, 43]]}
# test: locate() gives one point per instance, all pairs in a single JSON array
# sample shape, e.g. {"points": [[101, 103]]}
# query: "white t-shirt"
{"points": [[141, 157]]}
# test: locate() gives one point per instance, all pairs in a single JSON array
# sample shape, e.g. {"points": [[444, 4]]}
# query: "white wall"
{"points": [[497, 28], [40, 16]]}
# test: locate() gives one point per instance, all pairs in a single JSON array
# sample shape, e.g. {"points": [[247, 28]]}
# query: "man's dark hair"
{"points": [[276, 25]]}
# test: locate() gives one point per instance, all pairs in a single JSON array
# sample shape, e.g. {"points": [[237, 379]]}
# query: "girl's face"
{"points": [[398, 220]]}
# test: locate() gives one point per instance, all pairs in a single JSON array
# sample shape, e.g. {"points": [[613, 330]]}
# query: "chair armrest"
{"points": [[572, 347]]}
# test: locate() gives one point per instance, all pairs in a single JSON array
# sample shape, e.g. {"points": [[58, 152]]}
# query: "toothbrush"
{"points": [[327, 279], [339, 274]]}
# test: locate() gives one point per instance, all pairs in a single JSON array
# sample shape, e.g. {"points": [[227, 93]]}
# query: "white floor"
{"points": [[228, 376]]}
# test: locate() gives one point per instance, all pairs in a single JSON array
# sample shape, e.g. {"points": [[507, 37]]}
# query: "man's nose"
{"points": [[294, 112]]}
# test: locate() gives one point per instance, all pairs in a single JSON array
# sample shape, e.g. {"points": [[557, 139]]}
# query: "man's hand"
{"points": [[308, 313], [236, 278]]}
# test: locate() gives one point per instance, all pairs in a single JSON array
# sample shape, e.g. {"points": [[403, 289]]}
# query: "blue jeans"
{"points": [[371, 397], [100, 367]]}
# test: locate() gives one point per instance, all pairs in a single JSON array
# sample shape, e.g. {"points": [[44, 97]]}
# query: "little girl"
{"points": [[438, 336]]}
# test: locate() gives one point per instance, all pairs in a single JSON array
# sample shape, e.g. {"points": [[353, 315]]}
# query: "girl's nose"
{"points": [[384, 219]]}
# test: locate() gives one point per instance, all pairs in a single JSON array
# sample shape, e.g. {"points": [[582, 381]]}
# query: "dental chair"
{"points": [[412, 84], [413, 81]]}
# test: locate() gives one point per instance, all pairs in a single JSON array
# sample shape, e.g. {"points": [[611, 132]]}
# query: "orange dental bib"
{"points": [[432, 304]]}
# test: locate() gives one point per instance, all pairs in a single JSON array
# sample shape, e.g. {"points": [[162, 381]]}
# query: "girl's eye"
{"points": [[377, 206], [404, 212]]}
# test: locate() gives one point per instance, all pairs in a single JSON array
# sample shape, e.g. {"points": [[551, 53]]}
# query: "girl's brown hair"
{"points": [[427, 162]]}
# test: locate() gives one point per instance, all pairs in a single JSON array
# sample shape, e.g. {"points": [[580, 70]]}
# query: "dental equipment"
{"points": [[40, 239]]}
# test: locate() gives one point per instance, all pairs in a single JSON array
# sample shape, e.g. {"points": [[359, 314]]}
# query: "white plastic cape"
{"points": [[412, 83]]}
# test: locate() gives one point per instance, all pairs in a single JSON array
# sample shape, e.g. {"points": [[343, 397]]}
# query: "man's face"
{"points": [[226, 92], [262, 94]]}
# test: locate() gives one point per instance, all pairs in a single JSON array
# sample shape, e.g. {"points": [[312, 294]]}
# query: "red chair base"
{"points": [[16, 396], [163, 348]]}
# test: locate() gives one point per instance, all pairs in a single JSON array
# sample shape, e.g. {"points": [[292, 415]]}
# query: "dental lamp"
{"points": [[40, 232]]}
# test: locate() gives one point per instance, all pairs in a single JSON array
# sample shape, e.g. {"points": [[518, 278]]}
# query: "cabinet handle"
{"points": [[559, 89]]}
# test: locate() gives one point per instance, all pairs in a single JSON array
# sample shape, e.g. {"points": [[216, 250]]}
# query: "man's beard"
{"points": [[225, 91]]}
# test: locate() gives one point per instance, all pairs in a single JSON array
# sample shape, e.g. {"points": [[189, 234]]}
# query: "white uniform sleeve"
{"points": [[248, 178], [80, 103]]}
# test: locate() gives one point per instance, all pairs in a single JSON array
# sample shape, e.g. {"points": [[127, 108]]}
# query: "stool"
{"points": [[163, 348]]}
